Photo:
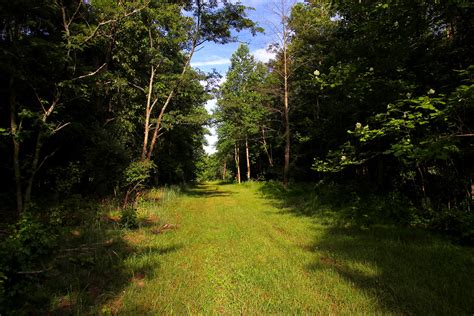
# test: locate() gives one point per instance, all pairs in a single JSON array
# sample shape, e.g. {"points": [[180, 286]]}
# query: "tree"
{"points": [[240, 107], [91, 69], [35, 35], [211, 21], [380, 71], [281, 9]]}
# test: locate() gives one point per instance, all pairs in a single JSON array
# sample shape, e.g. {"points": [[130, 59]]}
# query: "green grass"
{"points": [[238, 251], [253, 248]]}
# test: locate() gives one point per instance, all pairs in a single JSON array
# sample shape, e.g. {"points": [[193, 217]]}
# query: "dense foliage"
{"points": [[381, 103], [90, 88]]}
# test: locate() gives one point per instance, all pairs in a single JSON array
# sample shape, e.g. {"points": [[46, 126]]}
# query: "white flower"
{"points": [[431, 91], [343, 158], [408, 95], [316, 72], [358, 125]]}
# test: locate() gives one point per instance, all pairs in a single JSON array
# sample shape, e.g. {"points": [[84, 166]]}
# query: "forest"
{"points": [[362, 123]]}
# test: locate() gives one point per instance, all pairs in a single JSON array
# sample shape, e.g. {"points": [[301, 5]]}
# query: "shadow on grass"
{"points": [[92, 281], [206, 191], [302, 200], [404, 270], [87, 274]]}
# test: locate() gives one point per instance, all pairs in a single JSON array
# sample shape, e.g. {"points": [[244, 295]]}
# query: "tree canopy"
{"points": [[381, 100]]}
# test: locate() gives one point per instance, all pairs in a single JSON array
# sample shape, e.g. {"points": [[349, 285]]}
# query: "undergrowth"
{"points": [[69, 257], [347, 205]]}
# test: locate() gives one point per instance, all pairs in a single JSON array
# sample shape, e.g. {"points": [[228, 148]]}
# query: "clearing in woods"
{"points": [[230, 249]]}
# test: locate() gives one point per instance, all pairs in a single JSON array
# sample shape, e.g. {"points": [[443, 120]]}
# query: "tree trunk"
{"points": [[158, 124], [286, 167], [237, 161], [180, 80], [265, 146], [282, 10], [422, 181], [16, 149], [247, 157], [148, 114], [224, 170], [34, 169]]}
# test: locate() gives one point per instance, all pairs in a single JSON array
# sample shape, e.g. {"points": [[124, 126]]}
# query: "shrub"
{"points": [[129, 219], [134, 177], [24, 255]]}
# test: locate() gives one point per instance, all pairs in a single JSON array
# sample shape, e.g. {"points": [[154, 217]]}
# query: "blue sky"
{"points": [[214, 56]]}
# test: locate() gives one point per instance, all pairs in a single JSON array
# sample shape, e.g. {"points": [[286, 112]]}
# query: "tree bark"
{"points": [[247, 157], [237, 161]]}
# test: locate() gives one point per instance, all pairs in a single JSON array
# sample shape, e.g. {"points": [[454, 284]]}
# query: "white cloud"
{"points": [[263, 55], [212, 62]]}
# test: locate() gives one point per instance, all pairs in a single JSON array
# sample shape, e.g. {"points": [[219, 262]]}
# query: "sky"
{"points": [[216, 56]]}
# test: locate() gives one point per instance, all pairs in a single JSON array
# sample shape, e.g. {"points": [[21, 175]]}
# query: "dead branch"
{"points": [[137, 86], [60, 127], [91, 73]]}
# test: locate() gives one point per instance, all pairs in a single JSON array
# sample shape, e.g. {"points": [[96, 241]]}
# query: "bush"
{"points": [[24, 255], [134, 177], [455, 222], [129, 219], [138, 172]]}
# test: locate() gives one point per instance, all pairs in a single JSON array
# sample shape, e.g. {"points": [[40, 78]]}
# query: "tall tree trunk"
{"points": [[16, 148], [247, 157], [180, 80], [148, 113], [224, 170], [237, 161], [422, 180], [265, 146], [34, 168], [35, 164], [282, 10], [158, 124], [286, 167]]}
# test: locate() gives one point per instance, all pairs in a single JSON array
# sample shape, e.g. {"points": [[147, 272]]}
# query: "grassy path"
{"points": [[235, 252]]}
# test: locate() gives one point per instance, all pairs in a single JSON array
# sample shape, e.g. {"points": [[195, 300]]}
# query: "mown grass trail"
{"points": [[235, 251]]}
